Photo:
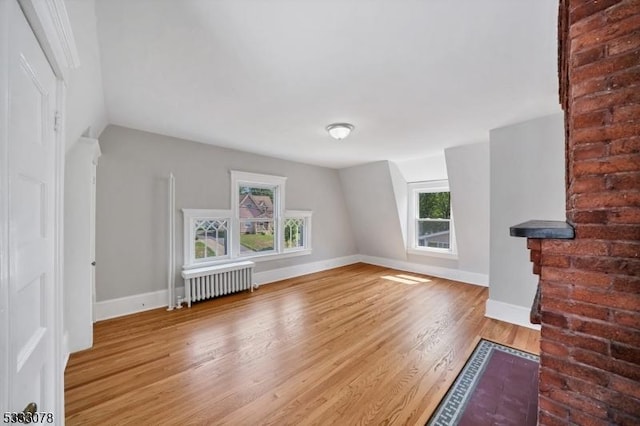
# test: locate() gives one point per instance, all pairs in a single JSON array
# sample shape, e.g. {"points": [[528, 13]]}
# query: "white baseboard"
{"points": [[507, 312], [130, 305], [158, 299], [274, 275], [435, 271]]}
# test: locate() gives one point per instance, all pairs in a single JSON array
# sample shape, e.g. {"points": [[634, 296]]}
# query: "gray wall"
{"points": [[372, 205], [468, 169], [527, 182], [131, 222]]}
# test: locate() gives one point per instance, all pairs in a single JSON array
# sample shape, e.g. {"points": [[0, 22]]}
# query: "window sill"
{"points": [[274, 256], [433, 253]]}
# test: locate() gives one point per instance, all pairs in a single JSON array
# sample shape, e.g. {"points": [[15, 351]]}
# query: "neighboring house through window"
{"points": [[430, 227]]}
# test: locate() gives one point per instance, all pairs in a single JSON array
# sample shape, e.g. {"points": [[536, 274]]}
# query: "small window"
{"points": [[430, 219], [206, 236], [297, 230]]}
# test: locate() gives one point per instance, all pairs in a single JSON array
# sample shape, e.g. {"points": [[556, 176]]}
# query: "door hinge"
{"points": [[57, 119]]}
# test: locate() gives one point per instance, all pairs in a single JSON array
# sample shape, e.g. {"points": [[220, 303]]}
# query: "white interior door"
{"points": [[28, 199]]}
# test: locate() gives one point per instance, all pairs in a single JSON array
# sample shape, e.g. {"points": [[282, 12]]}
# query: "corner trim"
{"points": [[507, 312], [436, 271]]}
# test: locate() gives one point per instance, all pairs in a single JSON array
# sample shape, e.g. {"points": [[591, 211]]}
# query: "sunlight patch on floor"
{"points": [[406, 279]]}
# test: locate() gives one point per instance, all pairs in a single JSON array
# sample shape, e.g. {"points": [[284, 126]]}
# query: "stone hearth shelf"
{"points": [[535, 231]]}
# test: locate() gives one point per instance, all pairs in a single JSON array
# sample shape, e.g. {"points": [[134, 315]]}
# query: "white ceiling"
{"points": [[267, 76]]}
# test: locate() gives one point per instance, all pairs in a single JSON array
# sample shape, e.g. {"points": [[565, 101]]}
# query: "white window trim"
{"points": [[188, 253], [257, 180], [412, 247], [300, 214]]}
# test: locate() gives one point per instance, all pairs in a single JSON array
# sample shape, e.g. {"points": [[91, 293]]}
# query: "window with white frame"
{"points": [[206, 236], [430, 229], [256, 227]]}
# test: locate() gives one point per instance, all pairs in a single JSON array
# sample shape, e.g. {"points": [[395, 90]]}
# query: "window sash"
{"points": [[415, 190]]}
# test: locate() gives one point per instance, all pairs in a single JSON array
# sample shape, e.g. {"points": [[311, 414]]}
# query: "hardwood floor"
{"points": [[353, 345]]}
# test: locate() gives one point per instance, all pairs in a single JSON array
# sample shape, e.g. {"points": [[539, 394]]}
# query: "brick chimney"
{"points": [[589, 302]]}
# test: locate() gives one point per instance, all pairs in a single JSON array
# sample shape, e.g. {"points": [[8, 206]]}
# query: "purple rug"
{"points": [[497, 386]]}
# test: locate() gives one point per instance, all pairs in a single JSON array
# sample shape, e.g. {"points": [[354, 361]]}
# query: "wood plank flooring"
{"points": [[354, 345]]}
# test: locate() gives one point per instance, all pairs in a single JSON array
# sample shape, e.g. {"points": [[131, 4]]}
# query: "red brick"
{"points": [[625, 249], [619, 163], [607, 199], [558, 410], [623, 419], [606, 66], [576, 247], [546, 419], [608, 265], [590, 151], [606, 330], [626, 113], [534, 243], [625, 404], [627, 319], [587, 25], [574, 400], [551, 379], [591, 343], [556, 261], [629, 78], [612, 232], [609, 132], [595, 85], [626, 284], [591, 119], [576, 308], [624, 44], [625, 386], [588, 216], [607, 99], [629, 216], [622, 11], [587, 184], [553, 319], [534, 256], [554, 348], [576, 277], [623, 181], [625, 146], [589, 8], [625, 369], [579, 418], [625, 301], [551, 289], [588, 56], [626, 353], [611, 31]]}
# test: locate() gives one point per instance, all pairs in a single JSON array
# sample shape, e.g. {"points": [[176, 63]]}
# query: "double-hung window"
{"points": [[430, 229], [257, 226]]}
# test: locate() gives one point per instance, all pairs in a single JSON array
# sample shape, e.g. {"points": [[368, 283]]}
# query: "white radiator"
{"points": [[212, 281]]}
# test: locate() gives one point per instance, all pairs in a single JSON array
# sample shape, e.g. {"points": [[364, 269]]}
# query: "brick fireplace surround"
{"points": [[590, 285]]}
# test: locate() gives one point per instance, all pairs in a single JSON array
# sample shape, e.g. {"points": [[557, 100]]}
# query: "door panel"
{"points": [[31, 186]]}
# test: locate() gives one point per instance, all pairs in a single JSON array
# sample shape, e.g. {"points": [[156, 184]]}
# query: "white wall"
{"points": [[78, 247], [132, 198], [527, 182], [468, 169], [85, 97], [424, 169]]}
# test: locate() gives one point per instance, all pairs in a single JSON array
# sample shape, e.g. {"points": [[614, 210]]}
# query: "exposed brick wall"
{"points": [[590, 286]]}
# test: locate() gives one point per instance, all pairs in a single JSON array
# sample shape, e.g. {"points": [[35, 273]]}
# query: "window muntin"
{"points": [[431, 228], [210, 238]]}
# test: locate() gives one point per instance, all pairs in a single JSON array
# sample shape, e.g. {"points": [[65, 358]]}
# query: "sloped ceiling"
{"points": [[414, 77]]}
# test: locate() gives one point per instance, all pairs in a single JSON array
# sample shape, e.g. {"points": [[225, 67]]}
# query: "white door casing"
{"points": [[31, 214], [31, 182]]}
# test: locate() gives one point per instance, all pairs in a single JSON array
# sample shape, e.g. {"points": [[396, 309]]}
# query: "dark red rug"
{"points": [[497, 386]]}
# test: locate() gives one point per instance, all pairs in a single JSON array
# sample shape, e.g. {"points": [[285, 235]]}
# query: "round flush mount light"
{"points": [[339, 130]]}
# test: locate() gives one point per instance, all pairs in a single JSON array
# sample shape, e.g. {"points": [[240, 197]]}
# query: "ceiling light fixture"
{"points": [[339, 130]]}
